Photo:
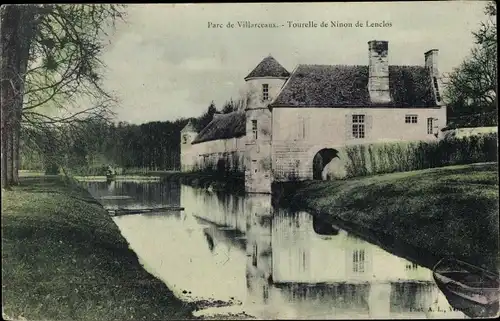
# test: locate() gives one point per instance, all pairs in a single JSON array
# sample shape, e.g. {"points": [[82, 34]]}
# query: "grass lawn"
{"points": [[449, 211], [63, 258]]}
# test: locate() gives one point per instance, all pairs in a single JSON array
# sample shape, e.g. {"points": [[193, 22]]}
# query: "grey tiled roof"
{"points": [[268, 67], [223, 126], [347, 86]]}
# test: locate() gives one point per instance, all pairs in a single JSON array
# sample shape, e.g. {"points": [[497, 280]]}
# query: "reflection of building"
{"points": [[259, 251], [294, 272], [374, 281], [296, 248], [221, 209], [292, 120]]}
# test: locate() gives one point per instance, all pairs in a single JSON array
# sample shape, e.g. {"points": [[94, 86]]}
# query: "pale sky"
{"points": [[165, 63]]}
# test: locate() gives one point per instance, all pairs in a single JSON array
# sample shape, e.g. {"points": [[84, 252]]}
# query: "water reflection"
{"points": [[269, 262], [144, 194]]}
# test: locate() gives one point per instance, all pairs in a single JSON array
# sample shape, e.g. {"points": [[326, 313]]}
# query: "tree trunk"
{"points": [[10, 150], [5, 36], [25, 36], [9, 16]]}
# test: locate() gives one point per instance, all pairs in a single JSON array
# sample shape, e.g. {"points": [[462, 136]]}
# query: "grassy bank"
{"points": [[63, 258], [449, 211]]}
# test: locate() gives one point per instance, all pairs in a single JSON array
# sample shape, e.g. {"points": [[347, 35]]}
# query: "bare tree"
{"points": [[50, 58]]}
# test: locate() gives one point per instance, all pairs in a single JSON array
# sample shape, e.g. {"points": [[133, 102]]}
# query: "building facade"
{"points": [[293, 119]]}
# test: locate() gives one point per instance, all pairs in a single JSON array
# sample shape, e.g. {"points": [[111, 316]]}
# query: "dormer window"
{"points": [[265, 92]]}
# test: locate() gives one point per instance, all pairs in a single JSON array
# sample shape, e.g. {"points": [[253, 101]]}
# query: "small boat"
{"points": [[468, 288]]}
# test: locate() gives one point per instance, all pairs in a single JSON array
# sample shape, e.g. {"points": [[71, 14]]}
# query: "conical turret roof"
{"points": [[189, 127], [268, 67]]}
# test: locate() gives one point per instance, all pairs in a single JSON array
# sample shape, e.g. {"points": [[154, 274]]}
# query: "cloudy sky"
{"points": [[165, 63]]}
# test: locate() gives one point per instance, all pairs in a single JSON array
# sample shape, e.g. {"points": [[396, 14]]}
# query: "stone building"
{"points": [[296, 124]]}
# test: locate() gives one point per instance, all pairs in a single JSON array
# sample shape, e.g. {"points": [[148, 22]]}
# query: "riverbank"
{"points": [[449, 211], [65, 259]]}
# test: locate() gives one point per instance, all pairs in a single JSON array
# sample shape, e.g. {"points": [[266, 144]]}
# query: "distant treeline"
{"points": [[86, 148]]}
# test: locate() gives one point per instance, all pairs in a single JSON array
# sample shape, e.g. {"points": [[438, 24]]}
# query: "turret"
{"points": [[188, 156], [263, 84]]}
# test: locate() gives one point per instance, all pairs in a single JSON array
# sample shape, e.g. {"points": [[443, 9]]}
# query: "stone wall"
{"points": [[298, 134], [258, 176], [222, 154], [258, 151]]}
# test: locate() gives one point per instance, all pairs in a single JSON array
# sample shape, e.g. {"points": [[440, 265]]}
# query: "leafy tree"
{"points": [[472, 87], [50, 59]]}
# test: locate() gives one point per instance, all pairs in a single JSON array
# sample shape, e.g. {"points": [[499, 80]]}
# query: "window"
{"points": [[254, 255], [265, 91], [411, 119], [254, 128], [430, 126], [358, 261], [358, 126], [436, 87], [184, 139], [304, 261], [411, 266], [301, 128], [265, 293]]}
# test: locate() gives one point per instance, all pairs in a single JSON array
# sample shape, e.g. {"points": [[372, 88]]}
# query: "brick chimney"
{"points": [[431, 61], [431, 58], [378, 77]]}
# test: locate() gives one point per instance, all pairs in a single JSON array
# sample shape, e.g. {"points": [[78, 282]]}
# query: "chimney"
{"points": [[431, 61], [217, 114], [378, 77], [431, 57]]}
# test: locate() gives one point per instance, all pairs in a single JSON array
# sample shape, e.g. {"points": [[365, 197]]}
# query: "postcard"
{"points": [[250, 161]]}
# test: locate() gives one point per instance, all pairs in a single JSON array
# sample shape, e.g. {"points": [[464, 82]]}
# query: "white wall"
{"points": [[258, 175], [299, 133], [204, 154], [254, 90], [187, 159], [328, 125]]}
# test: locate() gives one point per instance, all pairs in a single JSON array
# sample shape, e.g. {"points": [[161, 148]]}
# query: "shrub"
{"points": [[362, 160]]}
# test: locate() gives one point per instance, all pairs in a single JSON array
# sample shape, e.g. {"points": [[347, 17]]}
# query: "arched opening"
{"points": [[321, 159], [322, 227]]}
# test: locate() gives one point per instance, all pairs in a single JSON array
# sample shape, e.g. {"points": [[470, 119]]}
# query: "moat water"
{"points": [[242, 255]]}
